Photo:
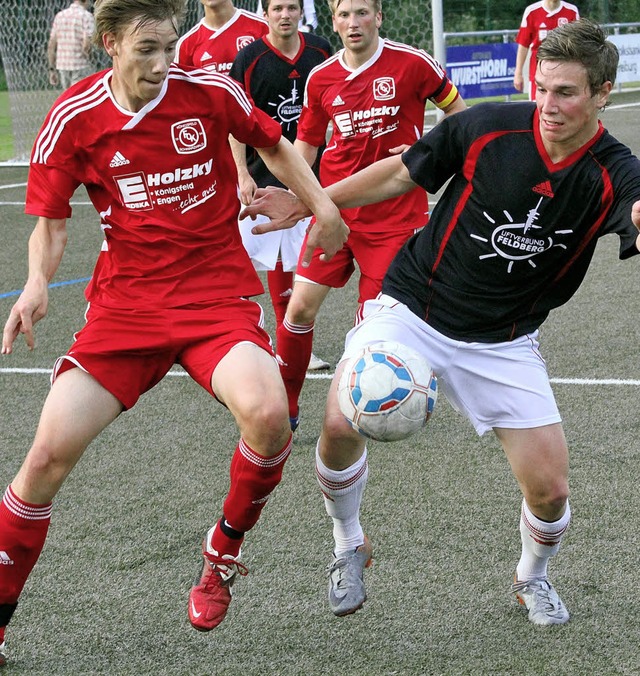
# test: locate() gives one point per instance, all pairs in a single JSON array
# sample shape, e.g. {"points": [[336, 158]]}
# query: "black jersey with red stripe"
{"points": [[513, 235], [276, 85]]}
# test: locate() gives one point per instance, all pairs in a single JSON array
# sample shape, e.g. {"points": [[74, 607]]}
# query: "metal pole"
{"points": [[439, 47]]}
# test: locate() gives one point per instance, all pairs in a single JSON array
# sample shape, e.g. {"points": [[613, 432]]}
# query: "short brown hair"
{"points": [[265, 5], [584, 42], [114, 16]]}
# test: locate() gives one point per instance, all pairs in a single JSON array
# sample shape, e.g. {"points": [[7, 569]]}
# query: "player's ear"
{"points": [[109, 43], [603, 94]]}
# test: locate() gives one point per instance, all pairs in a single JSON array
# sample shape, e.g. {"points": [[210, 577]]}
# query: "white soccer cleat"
{"points": [[317, 364], [541, 600]]}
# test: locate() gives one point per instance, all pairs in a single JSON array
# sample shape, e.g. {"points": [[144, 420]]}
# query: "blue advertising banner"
{"points": [[483, 70]]}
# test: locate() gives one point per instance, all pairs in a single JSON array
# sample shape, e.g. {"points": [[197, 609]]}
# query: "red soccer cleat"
{"points": [[211, 594]]}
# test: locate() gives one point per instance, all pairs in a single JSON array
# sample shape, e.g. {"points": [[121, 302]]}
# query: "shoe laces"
{"points": [[543, 590], [223, 569]]}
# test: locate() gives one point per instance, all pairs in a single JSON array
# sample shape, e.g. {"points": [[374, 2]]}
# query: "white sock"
{"points": [[342, 491], [540, 541]]}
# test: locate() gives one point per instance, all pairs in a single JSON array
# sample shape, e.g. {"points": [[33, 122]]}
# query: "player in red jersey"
{"points": [[374, 91], [171, 284], [273, 71], [214, 42], [469, 292], [538, 19]]}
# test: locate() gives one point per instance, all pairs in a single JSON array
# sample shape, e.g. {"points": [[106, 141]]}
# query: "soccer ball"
{"points": [[387, 391]]}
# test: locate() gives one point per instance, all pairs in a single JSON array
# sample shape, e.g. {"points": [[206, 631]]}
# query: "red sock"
{"points": [[294, 344], [23, 529], [280, 288], [253, 478]]}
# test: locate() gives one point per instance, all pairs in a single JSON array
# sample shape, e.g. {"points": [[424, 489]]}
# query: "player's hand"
{"points": [[329, 233], [635, 218], [247, 187], [30, 308], [398, 150], [281, 206], [518, 82]]}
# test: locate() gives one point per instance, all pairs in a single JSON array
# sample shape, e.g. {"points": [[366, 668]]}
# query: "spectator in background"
{"points": [[538, 19], [308, 19], [69, 47]]}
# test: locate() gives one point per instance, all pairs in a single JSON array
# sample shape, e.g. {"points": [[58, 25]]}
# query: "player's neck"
{"points": [[355, 59], [551, 5], [289, 47], [218, 17]]}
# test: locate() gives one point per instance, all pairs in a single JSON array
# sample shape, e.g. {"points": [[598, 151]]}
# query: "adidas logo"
{"points": [[544, 188], [206, 56], [118, 160], [5, 559], [294, 74], [338, 101]]}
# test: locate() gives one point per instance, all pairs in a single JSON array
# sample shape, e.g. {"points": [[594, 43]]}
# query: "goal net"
{"points": [[24, 33]]}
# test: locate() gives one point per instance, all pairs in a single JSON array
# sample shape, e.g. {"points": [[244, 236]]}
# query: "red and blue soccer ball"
{"points": [[387, 391]]}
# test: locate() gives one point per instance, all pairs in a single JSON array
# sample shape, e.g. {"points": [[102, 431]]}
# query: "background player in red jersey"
{"points": [[374, 91], [538, 19], [273, 71], [214, 42], [149, 141], [502, 249]]}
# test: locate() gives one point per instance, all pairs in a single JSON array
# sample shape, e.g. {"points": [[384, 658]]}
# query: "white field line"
{"points": [[329, 375]]}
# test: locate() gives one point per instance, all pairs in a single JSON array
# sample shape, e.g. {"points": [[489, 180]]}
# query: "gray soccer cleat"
{"points": [[346, 586], [541, 600]]}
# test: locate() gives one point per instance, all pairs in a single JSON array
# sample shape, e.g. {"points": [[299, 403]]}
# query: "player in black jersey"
{"points": [[274, 72], [533, 187]]}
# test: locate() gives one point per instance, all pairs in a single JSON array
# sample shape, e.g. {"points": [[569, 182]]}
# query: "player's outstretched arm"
{"points": [[379, 181], [46, 246], [329, 231]]}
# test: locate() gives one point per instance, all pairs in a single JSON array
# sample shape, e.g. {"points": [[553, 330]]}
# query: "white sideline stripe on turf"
{"points": [[14, 185], [21, 204], [327, 376]]}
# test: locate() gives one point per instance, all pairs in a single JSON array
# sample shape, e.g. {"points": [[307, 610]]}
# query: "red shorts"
{"points": [[130, 351], [373, 251]]}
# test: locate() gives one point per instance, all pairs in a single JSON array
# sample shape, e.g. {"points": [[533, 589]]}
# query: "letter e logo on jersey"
{"points": [[344, 122], [384, 88], [133, 191], [243, 41], [188, 136]]}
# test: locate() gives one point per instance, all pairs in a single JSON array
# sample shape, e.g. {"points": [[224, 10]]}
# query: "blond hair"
{"points": [[334, 4]]}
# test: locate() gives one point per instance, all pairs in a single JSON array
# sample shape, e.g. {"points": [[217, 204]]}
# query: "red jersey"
{"points": [[373, 108], [215, 49], [163, 181], [537, 21]]}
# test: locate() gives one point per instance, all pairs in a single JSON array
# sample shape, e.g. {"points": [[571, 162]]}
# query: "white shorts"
{"points": [[264, 250], [492, 384]]}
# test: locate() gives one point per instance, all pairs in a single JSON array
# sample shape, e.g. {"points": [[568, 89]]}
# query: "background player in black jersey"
{"points": [[274, 72], [533, 187]]}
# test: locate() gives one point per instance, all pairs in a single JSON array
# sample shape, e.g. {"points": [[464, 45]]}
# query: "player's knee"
{"points": [[550, 500], [265, 425], [336, 429], [300, 312], [46, 464]]}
